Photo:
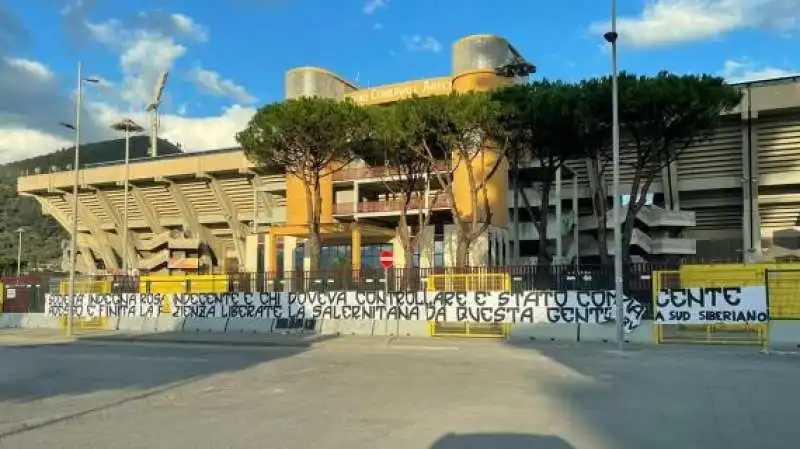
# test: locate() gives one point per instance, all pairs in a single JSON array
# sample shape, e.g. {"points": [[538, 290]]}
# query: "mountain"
{"points": [[43, 237]]}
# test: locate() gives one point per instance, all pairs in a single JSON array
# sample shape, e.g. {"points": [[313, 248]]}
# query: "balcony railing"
{"points": [[434, 202], [383, 171]]}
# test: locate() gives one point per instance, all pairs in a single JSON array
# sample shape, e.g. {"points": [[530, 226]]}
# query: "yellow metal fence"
{"points": [[782, 282], [460, 282]]}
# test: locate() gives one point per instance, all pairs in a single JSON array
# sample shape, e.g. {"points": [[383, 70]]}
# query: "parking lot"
{"points": [[439, 395]]}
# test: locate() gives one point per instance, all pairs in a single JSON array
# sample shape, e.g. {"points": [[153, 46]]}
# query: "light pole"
{"points": [[128, 126], [611, 37], [76, 172], [19, 252]]}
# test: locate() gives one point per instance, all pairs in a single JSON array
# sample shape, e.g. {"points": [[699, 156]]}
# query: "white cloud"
{"points": [[189, 27], [422, 43], [373, 5], [212, 83], [193, 133], [20, 143], [35, 100], [33, 68], [143, 62], [665, 22], [746, 70]]}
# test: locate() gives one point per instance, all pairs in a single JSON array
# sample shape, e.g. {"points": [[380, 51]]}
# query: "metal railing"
{"points": [[392, 205], [380, 171]]}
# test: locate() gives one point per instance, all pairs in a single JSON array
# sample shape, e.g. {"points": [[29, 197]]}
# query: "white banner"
{"points": [[589, 307], [712, 305], [95, 305]]}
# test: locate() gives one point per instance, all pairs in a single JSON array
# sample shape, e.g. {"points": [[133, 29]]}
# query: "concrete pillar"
{"points": [[559, 220], [576, 219], [427, 248], [751, 220], [450, 244], [507, 254], [355, 248], [251, 251], [289, 247], [306, 256], [479, 251], [398, 252], [270, 252], [356, 198], [671, 186]]}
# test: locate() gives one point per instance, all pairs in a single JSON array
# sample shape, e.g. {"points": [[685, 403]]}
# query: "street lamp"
{"points": [[76, 173], [19, 252], [517, 67], [611, 37], [127, 126]]}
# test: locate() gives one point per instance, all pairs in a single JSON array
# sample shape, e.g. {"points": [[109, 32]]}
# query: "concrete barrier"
{"points": [[544, 332], [784, 334], [11, 320], [41, 321], [205, 325], [166, 323], [350, 327], [411, 329], [124, 323], [248, 326]]}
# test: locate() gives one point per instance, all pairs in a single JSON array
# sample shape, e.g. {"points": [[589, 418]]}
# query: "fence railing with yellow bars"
{"points": [[461, 282], [782, 282]]}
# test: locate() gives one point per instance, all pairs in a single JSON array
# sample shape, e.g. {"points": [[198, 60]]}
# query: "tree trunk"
{"points": [[404, 231], [462, 248], [541, 223], [639, 189], [314, 204], [600, 207]]}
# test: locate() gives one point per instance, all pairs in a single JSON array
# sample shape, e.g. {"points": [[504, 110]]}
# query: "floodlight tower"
{"points": [[152, 108]]}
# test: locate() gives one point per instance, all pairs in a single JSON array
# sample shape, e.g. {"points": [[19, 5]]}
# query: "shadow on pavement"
{"points": [[710, 397], [36, 370], [500, 441]]}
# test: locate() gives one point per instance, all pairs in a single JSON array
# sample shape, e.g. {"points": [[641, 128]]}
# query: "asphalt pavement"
{"points": [[439, 395]]}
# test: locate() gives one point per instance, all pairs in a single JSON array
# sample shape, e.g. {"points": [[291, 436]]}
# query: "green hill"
{"points": [[43, 236]]}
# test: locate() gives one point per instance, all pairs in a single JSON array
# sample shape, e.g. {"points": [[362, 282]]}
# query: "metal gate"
{"points": [[741, 334], [477, 281], [783, 291], [23, 294]]}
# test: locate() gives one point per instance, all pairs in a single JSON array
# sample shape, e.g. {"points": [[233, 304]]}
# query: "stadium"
{"points": [[733, 198]]}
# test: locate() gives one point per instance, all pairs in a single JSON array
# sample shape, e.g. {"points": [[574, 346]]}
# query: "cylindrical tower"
{"points": [[313, 81], [475, 59]]}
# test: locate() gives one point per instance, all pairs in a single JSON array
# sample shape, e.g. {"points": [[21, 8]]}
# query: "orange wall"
{"points": [[496, 187], [478, 80], [296, 208]]}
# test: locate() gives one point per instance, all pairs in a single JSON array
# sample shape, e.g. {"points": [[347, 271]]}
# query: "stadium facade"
{"points": [[735, 196]]}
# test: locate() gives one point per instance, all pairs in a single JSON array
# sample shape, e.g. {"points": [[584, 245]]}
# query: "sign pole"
{"points": [[387, 261], [386, 295]]}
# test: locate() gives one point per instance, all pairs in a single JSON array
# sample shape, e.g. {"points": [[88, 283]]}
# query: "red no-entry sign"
{"points": [[387, 259]]}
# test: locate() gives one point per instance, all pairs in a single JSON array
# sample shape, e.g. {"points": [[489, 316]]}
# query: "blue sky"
{"points": [[228, 57]]}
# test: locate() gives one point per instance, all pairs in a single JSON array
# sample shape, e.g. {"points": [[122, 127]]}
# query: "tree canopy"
{"points": [[308, 138]]}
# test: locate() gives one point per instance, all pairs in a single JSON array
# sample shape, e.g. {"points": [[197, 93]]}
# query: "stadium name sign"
{"points": [[712, 305], [533, 306]]}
